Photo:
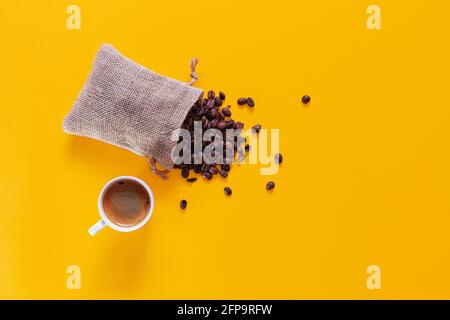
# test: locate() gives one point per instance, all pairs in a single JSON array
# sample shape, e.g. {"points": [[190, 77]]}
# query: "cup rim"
{"points": [[111, 224]]}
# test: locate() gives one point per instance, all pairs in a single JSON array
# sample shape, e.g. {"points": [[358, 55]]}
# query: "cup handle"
{"points": [[97, 227]]}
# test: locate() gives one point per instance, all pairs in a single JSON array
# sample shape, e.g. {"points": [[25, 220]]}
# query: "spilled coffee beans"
{"points": [[270, 185], [227, 191]]}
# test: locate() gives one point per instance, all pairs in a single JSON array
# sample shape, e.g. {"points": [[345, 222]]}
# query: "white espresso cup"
{"points": [[105, 221]]}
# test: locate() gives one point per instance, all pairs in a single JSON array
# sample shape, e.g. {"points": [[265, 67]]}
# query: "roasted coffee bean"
{"points": [[222, 95], [225, 167], [214, 113], [191, 180], [250, 102], [207, 175], [238, 125], [217, 101], [278, 158], [226, 112], [198, 168], [306, 99], [185, 172], [242, 101], [227, 191], [221, 125], [183, 204], [211, 103], [214, 123], [248, 148], [205, 124], [256, 128], [213, 170], [270, 185], [230, 123], [223, 173], [211, 94]]}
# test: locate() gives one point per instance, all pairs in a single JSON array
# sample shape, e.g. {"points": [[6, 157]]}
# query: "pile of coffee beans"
{"points": [[213, 114]]}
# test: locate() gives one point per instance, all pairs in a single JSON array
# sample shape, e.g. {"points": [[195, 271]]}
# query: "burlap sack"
{"points": [[130, 106]]}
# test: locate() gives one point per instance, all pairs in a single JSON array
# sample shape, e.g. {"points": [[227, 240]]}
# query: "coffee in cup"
{"points": [[125, 204]]}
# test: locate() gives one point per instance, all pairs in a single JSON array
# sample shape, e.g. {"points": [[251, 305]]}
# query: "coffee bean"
{"points": [[278, 158], [223, 173], [213, 170], [221, 125], [214, 123], [250, 102], [242, 101], [227, 191], [230, 123], [183, 204], [207, 175], [205, 124], [211, 94], [185, 172], [218, 101], [225, 167], [226, 112], [222, 95], [306, 99], [191, 180], [198, 168], [214, 113], [248, 148], [256, 128], [270, 185], [238, 125]]}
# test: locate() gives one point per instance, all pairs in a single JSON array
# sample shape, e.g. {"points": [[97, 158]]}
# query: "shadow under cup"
{"points": [[126, 203]]}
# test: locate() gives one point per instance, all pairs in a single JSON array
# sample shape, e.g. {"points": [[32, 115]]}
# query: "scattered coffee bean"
{"points": [[207, 175], [223, 173], [278, 158], [238, 125], [256, 128], [185, 172], [226, 112], [210, 104], [213, 170], [248, 148], [250, 102], [218, 101], [183, 204], [191, 180], [242, 101], [306, 99], [227, 191], [222, 95], [211, 94], [225, 167], [221, 125], [270, 185]]}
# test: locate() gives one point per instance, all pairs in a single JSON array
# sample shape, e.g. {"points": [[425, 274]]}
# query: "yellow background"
{"points": [[366, 177]]}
